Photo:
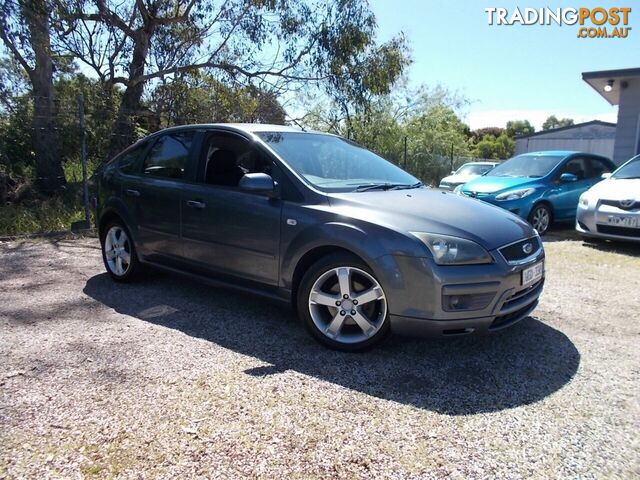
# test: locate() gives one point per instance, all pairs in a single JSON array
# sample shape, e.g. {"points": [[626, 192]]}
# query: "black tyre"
{"points": [[119, 252], [541, 218], [342, 303]]}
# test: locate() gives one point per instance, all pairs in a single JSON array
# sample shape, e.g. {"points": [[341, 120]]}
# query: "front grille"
{"points": [[616, 203], [476, 194], [621, 231], [516, 251]]}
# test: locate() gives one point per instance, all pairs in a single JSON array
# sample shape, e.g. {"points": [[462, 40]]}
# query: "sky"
{"points": [[509, 72]]}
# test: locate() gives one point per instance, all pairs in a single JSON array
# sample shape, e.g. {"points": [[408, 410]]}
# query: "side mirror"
{"points": [[452, 172], [257, 182], [568, 178], [605, 175]]}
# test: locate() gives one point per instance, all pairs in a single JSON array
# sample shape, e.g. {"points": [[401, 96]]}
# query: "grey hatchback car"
{"points": [[359, 247]]}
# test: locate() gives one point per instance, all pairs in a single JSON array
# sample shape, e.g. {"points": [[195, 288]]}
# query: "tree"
{"points": [[200, 98], [516, 128], [285, 44], [480, 133], [25, 32], [495, 148], [426, 118], [553, 122]]}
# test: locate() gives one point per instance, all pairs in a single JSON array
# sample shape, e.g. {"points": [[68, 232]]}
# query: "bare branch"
{"points": [[16, 53], [110, 17], [231, 69]]}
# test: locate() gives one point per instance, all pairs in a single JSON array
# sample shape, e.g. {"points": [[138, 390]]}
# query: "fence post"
{"points": [[405, 154], [451, 170], [83, 158]]}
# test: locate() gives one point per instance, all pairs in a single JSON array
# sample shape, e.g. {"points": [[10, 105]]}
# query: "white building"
{"points": [[622, 88]]}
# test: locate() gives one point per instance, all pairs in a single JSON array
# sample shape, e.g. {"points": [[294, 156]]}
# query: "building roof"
{"points": [[598, 80], [569, 127]]}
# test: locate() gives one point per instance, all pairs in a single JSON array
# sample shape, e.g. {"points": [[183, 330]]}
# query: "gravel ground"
{"points": [[168, 378]]}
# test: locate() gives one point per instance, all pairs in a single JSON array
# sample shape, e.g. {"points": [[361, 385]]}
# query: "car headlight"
{"points": [[447, 250], [584, 201], [458, 190], [515, 194]]}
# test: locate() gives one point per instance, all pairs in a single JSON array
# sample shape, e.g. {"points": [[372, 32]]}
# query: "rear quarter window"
{"points": [[129, 163]]}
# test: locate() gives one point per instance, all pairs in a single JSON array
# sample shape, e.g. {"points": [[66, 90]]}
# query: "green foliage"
{"points": [[480, 133], [516, 128], [427, 119], [42, 214], [497, 148], [553, 122], [201, 98], [17, 155]]}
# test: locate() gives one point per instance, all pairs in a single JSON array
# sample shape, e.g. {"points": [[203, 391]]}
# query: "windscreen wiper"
{"points": [[406, 187], [375, 186]]}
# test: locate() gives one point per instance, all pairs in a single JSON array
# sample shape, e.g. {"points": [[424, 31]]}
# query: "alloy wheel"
{"points": [[347, 305], [540, 219], [117, 251]]}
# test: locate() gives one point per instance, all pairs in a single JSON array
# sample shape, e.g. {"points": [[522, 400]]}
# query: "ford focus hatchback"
{"points": [[358, 246], [541, 187]]}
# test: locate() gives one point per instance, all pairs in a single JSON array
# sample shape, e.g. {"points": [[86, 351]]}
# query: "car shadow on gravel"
{"points": [[623, 248], [518, 366]]}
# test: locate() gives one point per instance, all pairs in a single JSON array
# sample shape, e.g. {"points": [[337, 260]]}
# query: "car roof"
{"points": [[555, 153], [481, 163], [242, 127], [566, 153]]}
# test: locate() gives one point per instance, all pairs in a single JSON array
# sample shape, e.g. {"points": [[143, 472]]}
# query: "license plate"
{"points": [[622, 221], [532, 274]]}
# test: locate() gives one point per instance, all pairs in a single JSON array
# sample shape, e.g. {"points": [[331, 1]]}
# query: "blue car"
{"points": [[541, 187]]}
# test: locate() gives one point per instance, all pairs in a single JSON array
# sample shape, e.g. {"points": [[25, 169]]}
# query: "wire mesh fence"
{"points": [[81, 137]]}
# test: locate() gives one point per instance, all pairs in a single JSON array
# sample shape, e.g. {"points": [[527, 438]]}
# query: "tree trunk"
{"points": [[124, 129], [49, 172]]}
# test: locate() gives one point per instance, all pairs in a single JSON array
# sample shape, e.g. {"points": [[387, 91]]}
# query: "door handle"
{"points": [[133, 193], [196, 204]]}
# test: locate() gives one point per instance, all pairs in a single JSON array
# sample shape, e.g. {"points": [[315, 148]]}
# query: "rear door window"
{"points": [[168, 156]]}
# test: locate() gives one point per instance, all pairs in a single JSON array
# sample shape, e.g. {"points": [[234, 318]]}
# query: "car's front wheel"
{"points": [[342, 303], [540, 218], [118, 252]]}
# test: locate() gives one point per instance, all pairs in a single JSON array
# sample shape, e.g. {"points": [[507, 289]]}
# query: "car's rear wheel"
{"points": [[540, 218], [342, 303], [118, 252]]}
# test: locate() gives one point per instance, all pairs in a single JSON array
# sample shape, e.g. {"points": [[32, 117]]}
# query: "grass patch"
{"points": [[42, 214]]}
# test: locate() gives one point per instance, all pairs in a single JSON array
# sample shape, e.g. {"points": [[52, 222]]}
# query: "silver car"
{"points": [[465, 173], [611, 209]]}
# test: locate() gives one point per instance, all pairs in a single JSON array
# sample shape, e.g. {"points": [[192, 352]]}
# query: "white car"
{"points": [[465, 173], [611, 209]]}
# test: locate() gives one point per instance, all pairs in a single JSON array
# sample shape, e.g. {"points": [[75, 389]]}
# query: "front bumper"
{"points": [[593, 222], [435, 328], [419, 293]]}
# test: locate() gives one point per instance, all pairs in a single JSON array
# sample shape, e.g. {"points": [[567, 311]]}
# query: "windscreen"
{"points": [[473, 169], [527, 166], [629, 170], [333, 163]]}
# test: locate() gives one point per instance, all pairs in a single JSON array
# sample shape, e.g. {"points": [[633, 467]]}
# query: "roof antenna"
{"points": [[298, 124]]}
